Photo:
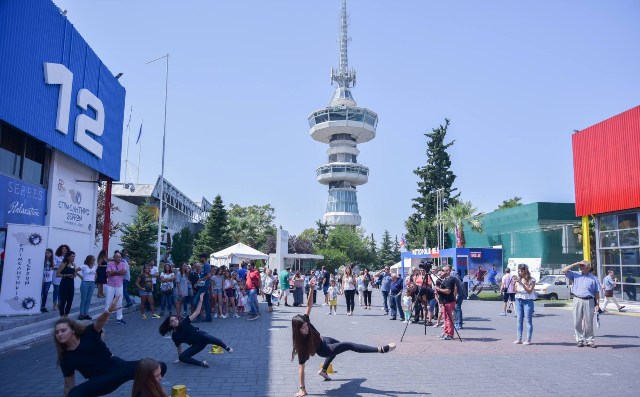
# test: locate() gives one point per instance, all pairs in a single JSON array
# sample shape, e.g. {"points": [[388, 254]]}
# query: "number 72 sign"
{"points": [[55, 73]]}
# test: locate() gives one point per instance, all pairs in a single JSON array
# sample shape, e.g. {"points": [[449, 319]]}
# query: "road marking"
{"points": [[602, 374]]}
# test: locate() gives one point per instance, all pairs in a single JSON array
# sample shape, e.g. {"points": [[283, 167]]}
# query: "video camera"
{"points": [[426, 265]]}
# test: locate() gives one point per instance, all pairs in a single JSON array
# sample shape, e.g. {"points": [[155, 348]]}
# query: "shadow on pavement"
{"points": [[354, 387], [479, 328], [476, 319], [478, 339], [618, 336]]}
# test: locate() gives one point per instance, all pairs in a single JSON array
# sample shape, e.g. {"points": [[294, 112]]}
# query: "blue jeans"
{"points": [[253, 301], [166, 301], [56, 293], [86, 293], [125, 291], [44, 294], [458, 313], [524, 308], [395, 302], [385, 299], [203, 292]]}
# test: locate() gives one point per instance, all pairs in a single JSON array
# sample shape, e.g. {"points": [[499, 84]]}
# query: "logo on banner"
{"points": [[76, 197], [71, 211]]}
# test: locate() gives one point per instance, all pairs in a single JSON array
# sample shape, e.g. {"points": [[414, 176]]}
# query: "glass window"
{"points": [[608, 239], [333, 158], [11, 150], [628, 221], [322, 117], [630, 257], [610, 257], [608, 222], [337, 115], [34, 160], [355, 115], [629, 237]]}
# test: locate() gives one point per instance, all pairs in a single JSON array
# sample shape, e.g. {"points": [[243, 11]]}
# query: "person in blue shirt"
{"points": [[385, 285], [242, 272], [491, 278], [586, 291], [395, 297]]}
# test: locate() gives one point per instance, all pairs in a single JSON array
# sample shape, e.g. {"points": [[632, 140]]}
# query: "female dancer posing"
{"points": [[183, 332], [80, 348], [308, 342], [147, 380]]}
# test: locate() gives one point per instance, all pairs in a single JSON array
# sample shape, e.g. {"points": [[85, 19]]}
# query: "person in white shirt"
{"points": [[87, 273]]}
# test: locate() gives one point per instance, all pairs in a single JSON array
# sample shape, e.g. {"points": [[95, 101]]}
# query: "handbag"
{"points": [[608, 293], [268, 290], [200, 283], [166, 288]]}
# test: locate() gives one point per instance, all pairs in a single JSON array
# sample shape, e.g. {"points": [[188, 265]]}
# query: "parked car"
{"points": [[553, 286]]}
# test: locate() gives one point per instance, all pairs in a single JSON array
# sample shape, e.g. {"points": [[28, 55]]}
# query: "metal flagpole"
{"points": [[164, 136]]}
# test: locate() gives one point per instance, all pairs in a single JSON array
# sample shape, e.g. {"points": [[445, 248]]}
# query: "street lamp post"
{"points": [[164, 136]]}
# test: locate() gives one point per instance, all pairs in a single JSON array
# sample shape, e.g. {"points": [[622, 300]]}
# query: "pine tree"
{"points": [[385, 254], [373, 252], [182, 246], [215, 235], [436, 174], [396, 251], [141, 236]]}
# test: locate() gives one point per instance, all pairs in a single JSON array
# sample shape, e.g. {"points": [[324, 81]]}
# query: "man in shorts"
{"points": [[508, 292], [285, 284]]}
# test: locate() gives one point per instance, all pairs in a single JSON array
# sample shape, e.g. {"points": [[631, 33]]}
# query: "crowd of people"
{"points": [[200, 292]]}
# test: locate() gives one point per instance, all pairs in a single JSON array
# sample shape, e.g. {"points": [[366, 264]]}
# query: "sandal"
{"points": [[204, 364]]}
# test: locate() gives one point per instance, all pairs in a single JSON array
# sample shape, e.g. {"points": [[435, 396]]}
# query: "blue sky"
{"points": [[514, 78]]}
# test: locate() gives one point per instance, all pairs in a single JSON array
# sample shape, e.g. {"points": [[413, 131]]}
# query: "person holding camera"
{"points": [[585, 288], [447, 290], [608, 284]]}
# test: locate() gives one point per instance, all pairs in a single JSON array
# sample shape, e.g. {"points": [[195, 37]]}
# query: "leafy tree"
{"points": [[182, 247], [386, 254], [310, 235], [141, 236], [323, 234], [215, 235], [252, 225], [436, 174], [114, 227], [511, 203], [455, 217], [299, 245], [333, 258], [350, 241]]}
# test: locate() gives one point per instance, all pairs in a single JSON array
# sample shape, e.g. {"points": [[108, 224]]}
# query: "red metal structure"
{"points": [[606, 164]]}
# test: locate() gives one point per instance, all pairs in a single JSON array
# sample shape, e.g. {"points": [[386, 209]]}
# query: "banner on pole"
{"points": [[23, 268]]}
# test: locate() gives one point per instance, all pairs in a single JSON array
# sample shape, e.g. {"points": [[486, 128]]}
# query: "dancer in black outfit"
{"points": [[80, 348], [183, 332], [308, 342], [67, 271]]}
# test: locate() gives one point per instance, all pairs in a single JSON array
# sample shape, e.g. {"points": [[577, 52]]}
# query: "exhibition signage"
{"points": [[23, 268], [60, 91], [21, 202], [72, 207]]}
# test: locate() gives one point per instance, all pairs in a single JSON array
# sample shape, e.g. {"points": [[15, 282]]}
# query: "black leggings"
{"points": [[118, 372], [338, 347], [350, 296], [203, 340], [268, 296], [66, 296], [367, 298]]}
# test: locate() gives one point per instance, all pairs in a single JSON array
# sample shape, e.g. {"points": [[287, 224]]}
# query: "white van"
{"points": [[553, 286]]}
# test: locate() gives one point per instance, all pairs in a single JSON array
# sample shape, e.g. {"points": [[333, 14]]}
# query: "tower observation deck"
{"points": [[343, 125]]}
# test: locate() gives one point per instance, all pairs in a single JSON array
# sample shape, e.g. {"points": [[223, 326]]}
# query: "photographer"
{"points": [[448, 291]]}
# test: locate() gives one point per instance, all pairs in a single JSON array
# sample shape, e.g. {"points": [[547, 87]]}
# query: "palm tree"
{"points": [[456, 216]]}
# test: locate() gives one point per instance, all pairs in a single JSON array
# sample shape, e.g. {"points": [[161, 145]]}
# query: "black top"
{"points": [[323, 351], [326, 277], [185, 333], [101, 273], [426, 291], [68, 270], [450, 284], [91, 357]]}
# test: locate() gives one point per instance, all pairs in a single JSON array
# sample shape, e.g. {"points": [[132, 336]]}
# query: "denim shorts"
{"points": [[217, 290], [145, 293]]}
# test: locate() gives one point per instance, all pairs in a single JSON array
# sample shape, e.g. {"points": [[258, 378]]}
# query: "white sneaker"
{"points": [[224, 316], [235, 315], [324, 304], [329, 313], [334, 313], [215, 315]]}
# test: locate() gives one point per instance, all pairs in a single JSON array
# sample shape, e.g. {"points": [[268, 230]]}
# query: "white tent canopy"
{"points": [[398, 270], [236, 254]]}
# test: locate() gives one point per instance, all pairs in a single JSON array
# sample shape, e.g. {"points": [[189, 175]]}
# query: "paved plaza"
{"points": [[486, 363]]}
